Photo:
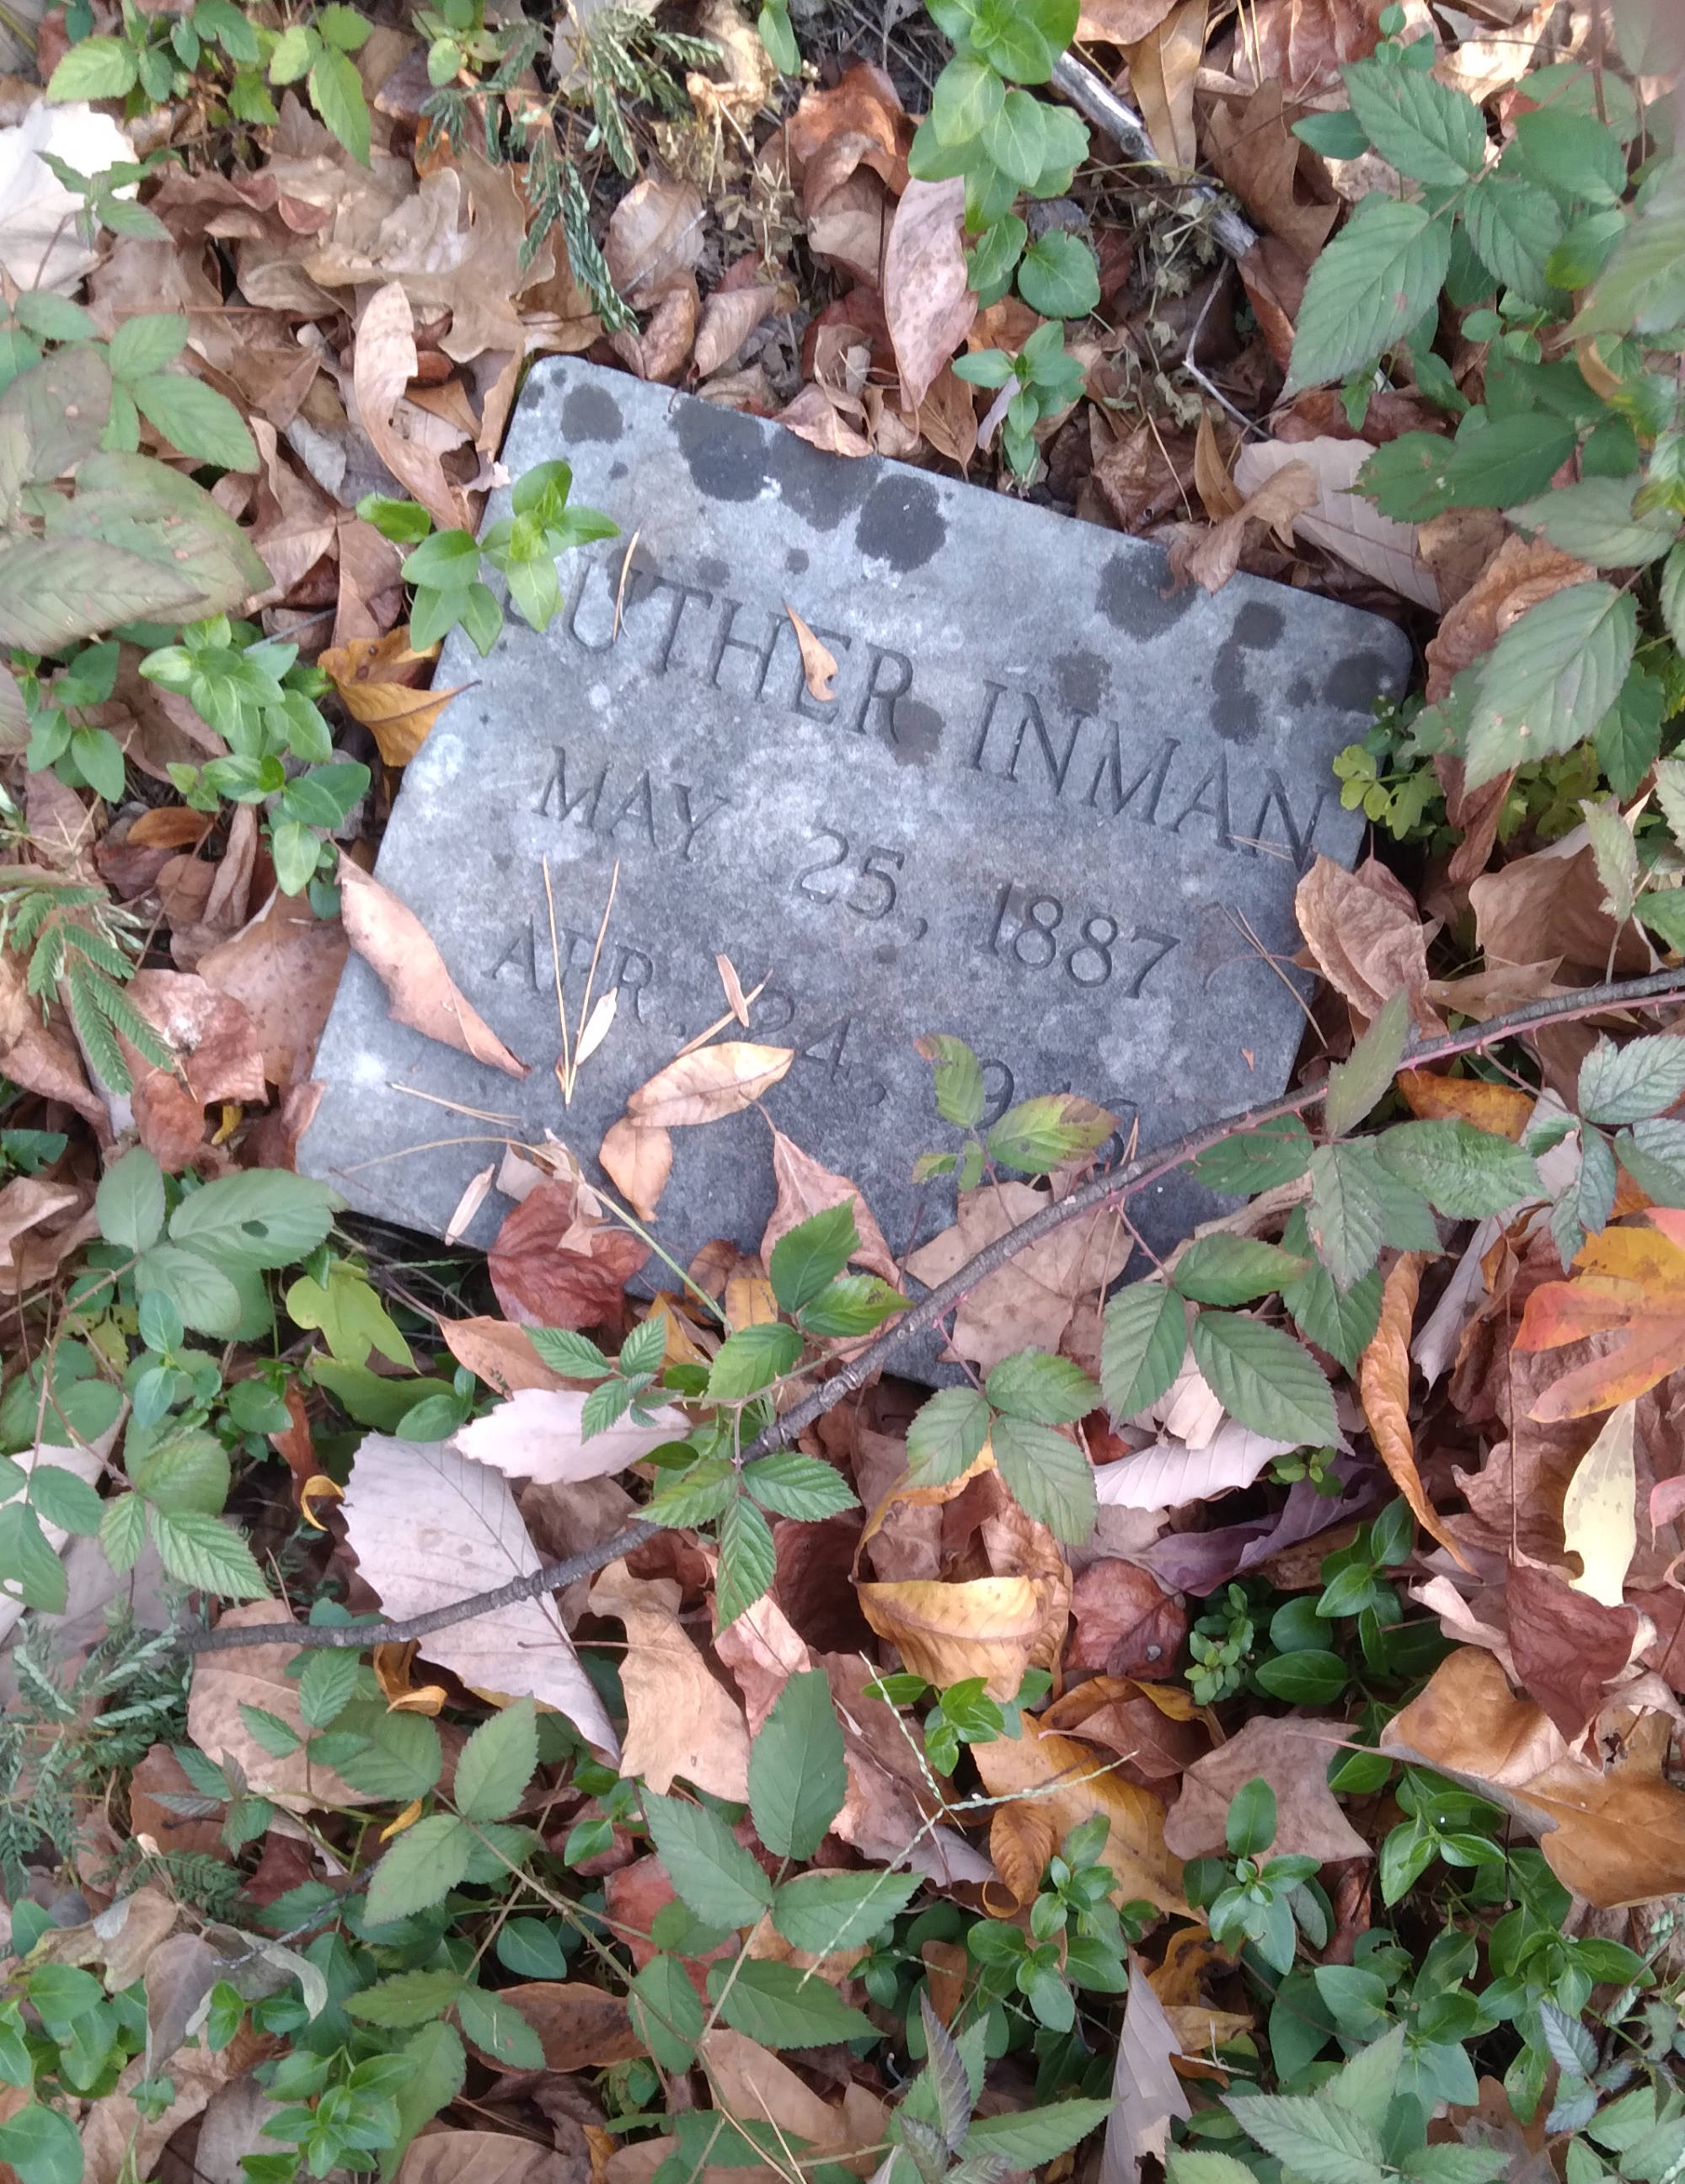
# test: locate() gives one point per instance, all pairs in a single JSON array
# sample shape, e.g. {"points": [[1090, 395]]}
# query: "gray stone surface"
{"points": [[1050, 809]]}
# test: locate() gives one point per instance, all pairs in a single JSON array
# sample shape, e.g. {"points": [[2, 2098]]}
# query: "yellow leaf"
{"points": [[946, 1633], [407, 1818], [329, 1490], [1598, 1520], [1068, 1782], [368, 673], [749, 1303]]}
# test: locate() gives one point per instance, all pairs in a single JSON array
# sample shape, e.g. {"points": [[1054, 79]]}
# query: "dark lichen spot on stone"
{"points": [[1084, 682], [590, 413], [903, 523], [1236, 714], [1355, 683], [618, 471], [796, 561], [713, 572], [821, 489], [1301, 690], [917, 735], [885, 953], [726, 454], [1135, 595]]}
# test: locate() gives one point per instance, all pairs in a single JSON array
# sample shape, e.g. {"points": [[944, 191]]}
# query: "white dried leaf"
{"points": [[536, 1434], [1340, 521]]}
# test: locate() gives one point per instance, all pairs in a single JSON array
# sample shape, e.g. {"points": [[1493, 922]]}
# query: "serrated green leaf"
{"points": [[1252, 1160], [574, 1354], [1323, 2145], [946, 1436], [96, 68], [396, 1756], [1037, 1134], [194, 418], [496, 2027], [711, 1872], [1632, 1082], [1265, 1379], [1431, 133], [1514, 225], [409, 1998], [1368, 288], [792, 1485], [1356, 1086], [1550, 678], [666, 2012], [1496, 460], [1032, 2135], [204, 1295], [748, 1561], [958, 1073], [1466, 1173], [807, 1258], [28, 1561], [1047, 1475], [420, 1868], [277, 1737], [1034, 1385], [337, 93], [798, 1778], [825, 1912], [1594, 520], [852, 1305], [1346, 1217], [1230, 1270], [204, 1552], [326, 1684], [782, 2007], [752, 1359], [498, 1762], [264, 1217], [1143, 1343]]}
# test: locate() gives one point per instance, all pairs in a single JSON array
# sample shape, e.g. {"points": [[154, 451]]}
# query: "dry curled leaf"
{"points": [[1069, 1782], [927, 299], [381, 683], [987, 1627], [805, 1189], [395, 944], [709, 1084], [1292, 1757], [1384, 1383], [680, 1719], [818, 662], [383, 364]]}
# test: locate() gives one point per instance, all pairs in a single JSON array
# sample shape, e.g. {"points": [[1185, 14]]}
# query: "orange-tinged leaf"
{"points": [[945, 1633], [713, 1081], [374, 678], [328, 1489], [1501, 1110], [1631, 1278], [407, 1818], [1021, 1841], [637, 1160], [1384, 1383], [1068, 1782]]}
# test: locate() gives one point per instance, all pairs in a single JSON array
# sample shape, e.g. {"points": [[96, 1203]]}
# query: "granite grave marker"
{"points": [[1052, 807]]}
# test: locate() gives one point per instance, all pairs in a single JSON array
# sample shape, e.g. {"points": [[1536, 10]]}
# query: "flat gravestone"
{"points": [[1052, 807]]}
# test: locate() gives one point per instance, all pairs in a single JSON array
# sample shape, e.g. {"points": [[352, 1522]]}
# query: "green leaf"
{"points": [[1368, 288], [343, 26], [1550, 678], [53, 591], [29, 1562], [1628, 738], [711, 1872], [1026, 2139], [185, 1472], [409, 1998], [748, 1561], [782, 2007], [143, 345], [1356, 1086], [1322, 2145], [807, 1258], [575, 1355], [202, 1293], [1265, 1379], [1575, 154], [1642, 289], [1047, 1475], [495, 2026], [958, 1073], [968, 96], [792, 1485], [1311, 1678], [1142, 1344], [498, 1762], [1496, 460], [666, 2012], [420, 1868], [96, 68], [195, 418], [825, 1912], [798, 1780], [1466, 1173], [396, 1756], [278, 1738], [1250, 1827], [1228, 1270], [1057, 275], [42, 2145], [1672, 595], [946, 1436], [1431, 134], [122, 1531], [1252, 1160], [1593, 520], [1346, 1217], [854, 1304], [264, 1217], [1015, 137], [1199, 2164], [337, 93], [61, 1498], [204, 1552], [1513, 226], [1037, 1134], [130, 1201], [326, 1684], [751, 1359], [1048, 1390], [1632, 1082]]}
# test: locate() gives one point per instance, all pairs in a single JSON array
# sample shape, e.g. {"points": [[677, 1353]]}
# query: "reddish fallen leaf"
{"points": [[541, 1280], [501, 1355], [1126, 1623], [283, 967], [1567, 1647], [1384, 1383], [397, 946]]}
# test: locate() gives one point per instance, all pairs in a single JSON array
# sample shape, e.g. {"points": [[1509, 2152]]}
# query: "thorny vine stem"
{"points": [[1650, 992]]}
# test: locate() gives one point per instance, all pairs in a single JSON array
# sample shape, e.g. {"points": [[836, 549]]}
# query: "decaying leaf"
{"points": [[818, 661], [679, 1718], [1600, 1521], [1171, 1473], [1384, 1383], [1069, 1782], [709, 1084], [927, 299], [945, 1633], [805, 1189], [1146, 2090], [384, 365], [536, 1434], [429, 1527], [502, 1356], [256, 1676], [381, 683], [397, 946], [1292, 1757], [1630, 1279], [637, 1158]]}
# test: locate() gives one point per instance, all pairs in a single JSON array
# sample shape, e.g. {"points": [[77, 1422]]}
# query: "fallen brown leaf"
{"points": [[501, 1355], [679, 1718], [256, 1675], [655, 238], [729, 317], [217, 1057], [818, 662], [1384, 1383], [1069, 1782], [637, 1159], [986, 1627], [283, 967], [1567, 1647], [805, 1189], [581, 2027], [383, 366], [927, 302], [551, 1268], [1366, 933], [709, 1084], [1292, 1757], [1126, 1623], [397, 946], [1162, 67], [1145, 2086]]}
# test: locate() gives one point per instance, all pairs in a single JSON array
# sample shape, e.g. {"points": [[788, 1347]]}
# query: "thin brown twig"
{"points": [[1134, 1176]]}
